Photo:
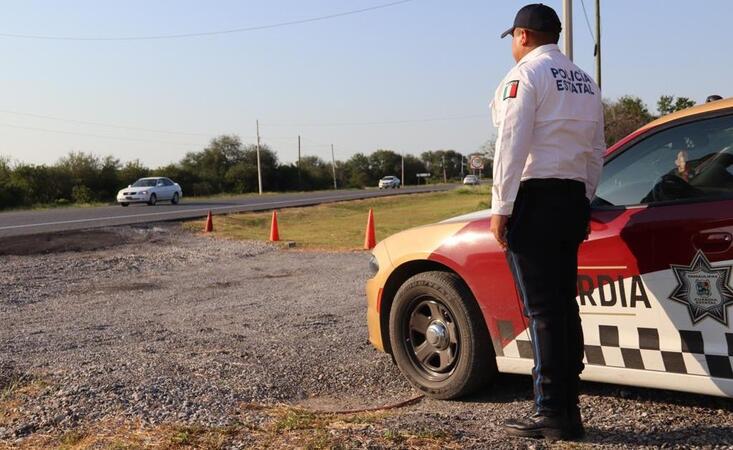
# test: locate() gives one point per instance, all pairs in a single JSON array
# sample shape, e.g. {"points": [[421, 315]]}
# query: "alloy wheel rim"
{"points": [[432, 338]]}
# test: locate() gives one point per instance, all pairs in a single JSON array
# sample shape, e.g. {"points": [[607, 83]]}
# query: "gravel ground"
{"points": [[155, 326]]}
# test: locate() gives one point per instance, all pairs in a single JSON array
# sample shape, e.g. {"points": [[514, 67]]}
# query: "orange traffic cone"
{"points": [[209, 227], [369, 239], [274, 232]]}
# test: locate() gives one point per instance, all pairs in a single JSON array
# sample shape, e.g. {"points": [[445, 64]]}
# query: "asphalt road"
{"points": [[20, 223]]}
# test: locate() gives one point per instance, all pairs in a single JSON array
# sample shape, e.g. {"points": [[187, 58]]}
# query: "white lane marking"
{"points": [[602, 267], [182, 211]]}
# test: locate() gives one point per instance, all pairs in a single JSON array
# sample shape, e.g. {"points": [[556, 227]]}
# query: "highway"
{"points": [[22, 223]]}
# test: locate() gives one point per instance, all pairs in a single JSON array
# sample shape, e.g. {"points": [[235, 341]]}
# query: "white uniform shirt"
{"points": [[549, 117]]}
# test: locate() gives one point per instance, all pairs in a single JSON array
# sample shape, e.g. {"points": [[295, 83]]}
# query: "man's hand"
{"points": [[498, 228]]}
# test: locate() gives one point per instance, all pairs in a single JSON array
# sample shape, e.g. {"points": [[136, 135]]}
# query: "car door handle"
{"points": [[712, 242]]}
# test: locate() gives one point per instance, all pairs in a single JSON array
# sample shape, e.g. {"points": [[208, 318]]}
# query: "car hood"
{"points": [[470, 217], [424, 241], [136, 190]]}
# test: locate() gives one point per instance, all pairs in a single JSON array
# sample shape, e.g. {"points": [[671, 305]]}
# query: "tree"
{"points": [[435, 159], [624, 116], [413, 166], [667, 104], [358, 172], [487, 151], [226, 165], [131, 171], [385, 162]]}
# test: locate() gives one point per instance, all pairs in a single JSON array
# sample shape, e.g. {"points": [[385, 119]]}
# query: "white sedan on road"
{"points": [[150, 191], [472, 180], [389, 182]]}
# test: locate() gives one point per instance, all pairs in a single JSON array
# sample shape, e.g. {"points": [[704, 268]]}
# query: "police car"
{"points": [[654, 282]]}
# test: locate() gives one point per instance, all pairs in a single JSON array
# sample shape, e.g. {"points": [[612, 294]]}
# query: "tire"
{"points": [[175, 199], [125, 204], [434, 315], [153, 200]]}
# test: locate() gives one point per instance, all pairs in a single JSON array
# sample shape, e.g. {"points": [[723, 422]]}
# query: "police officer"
{"points": [[548, 159]]}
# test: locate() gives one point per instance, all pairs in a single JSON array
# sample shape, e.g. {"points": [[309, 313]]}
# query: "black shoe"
{"points": [[548, 427]]}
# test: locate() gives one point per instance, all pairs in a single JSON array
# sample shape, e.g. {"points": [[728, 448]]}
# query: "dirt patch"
{"points": [[73, 241]]}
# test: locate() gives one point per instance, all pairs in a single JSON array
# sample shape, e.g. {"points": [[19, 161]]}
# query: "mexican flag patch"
{"points": [[510, 89]]}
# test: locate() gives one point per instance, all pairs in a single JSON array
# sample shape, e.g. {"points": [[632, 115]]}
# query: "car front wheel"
{"points": [[153, 200], [125, 204], [175, 199], [439, 338]]}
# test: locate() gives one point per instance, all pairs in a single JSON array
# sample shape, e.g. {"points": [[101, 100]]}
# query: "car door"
{"points": [[170, 188], [161, 190], [694, 233], [669, 196]]}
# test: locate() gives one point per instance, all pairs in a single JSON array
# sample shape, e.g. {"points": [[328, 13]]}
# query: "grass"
{"points": [[13, 392], [341, 226], [283, 427]]}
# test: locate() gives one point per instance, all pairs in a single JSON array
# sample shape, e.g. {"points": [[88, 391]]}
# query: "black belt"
{"points": [[553, 184]]}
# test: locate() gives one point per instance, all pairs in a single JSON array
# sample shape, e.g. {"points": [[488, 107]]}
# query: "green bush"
{"points": [[82, 194]]}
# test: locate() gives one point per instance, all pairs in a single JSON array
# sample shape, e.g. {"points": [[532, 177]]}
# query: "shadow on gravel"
{"points": [[508, 388], [655, 395], [713, 436], [505, 388]]}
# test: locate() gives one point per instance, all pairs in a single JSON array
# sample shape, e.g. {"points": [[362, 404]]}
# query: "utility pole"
{"points": [[598, 42], [445, 178], [259, 168], [333, 165], [300, 182], [402, 181], [567, 18]]}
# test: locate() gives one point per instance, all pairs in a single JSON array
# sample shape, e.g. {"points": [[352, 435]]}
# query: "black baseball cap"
{"points": [[537, 17]]}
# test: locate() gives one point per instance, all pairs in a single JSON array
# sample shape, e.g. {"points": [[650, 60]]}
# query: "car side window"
{"points": [[167, 182], [692, 162]]}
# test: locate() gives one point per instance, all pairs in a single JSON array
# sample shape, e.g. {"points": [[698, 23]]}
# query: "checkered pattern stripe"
{"points": [[691, 360]]}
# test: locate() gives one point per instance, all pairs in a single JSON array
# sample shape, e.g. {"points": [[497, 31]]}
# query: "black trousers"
{"points": [[547, 225]]}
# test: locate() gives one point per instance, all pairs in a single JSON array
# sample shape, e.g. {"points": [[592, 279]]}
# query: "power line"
{"points": [[47, 130], [389, 122], [587, 21], [120, 127], [204, 33]]}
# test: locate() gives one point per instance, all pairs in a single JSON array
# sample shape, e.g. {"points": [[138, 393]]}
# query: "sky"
{"points": [[410, 77]]}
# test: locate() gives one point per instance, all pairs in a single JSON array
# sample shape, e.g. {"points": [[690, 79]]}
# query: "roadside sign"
{"points": [[477, 162], [422, 175]]}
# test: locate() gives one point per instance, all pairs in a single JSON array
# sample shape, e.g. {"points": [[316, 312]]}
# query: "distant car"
{"points": [[150, 191], [389, 182], [471, 179]]}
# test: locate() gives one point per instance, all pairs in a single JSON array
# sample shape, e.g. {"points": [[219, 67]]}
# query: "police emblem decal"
{"points": [[704, 289], [510, 89]]}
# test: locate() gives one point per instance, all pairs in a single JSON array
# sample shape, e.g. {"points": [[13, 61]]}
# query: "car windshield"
{"points": [[145, 182], [387, 179]]}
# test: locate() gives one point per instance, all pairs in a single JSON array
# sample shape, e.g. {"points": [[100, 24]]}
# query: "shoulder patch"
{"points": [[510, 89]]}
